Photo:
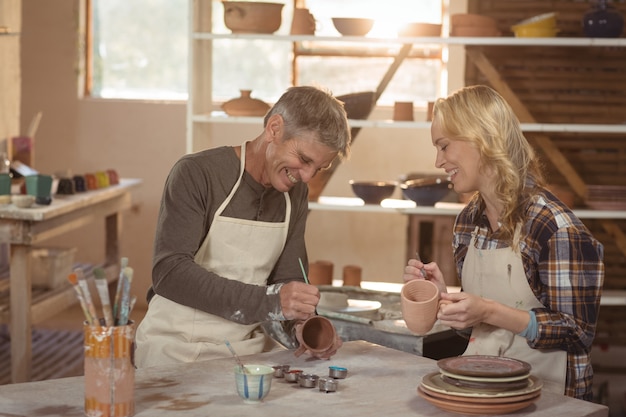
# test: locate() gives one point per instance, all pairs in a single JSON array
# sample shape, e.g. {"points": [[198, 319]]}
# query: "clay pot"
{"points": [[318, 334], [245, 105], [252, 17], [321, 273], [352, 275], [419, 302]]}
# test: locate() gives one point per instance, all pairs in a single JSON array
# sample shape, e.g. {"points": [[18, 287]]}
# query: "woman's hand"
{"points": [[298, 300], [413, 270], [461, 310], [322, 355]]}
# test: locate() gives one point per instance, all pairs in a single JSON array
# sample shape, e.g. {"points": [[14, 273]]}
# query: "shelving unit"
{"points": [[202, 114]]}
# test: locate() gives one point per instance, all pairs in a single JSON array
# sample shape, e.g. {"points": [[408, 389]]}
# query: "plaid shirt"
{"points": [[564, 267]]}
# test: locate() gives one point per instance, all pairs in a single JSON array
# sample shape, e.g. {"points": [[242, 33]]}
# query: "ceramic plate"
{"points": [[475, 408], [483, 365], [485, 379], [485, 386], [435, 382], [479, 400]]}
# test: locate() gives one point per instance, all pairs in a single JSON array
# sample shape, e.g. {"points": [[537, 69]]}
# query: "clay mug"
{"points": [[321, 273], [317, 334], [419, 301], [303, 22], [352, 275]]}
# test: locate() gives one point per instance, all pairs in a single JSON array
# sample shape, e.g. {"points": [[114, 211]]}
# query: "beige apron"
{"points": [[238, 249], [498, 274]]}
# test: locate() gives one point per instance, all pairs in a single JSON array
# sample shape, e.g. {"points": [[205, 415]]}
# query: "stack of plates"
{"points": [[606, 197], [479, 385]]}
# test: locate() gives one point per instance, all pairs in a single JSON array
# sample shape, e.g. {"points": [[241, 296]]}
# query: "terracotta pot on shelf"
{"points": [[321, 273], [352, 275], [245, 105]]}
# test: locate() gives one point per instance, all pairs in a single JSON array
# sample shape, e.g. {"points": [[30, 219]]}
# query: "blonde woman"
{"points": [[531, 272]]}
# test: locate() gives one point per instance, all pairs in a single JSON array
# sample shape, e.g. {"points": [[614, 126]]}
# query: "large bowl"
{"points": [[426, 191], [353, 26], [420, 29], [252, 17], [254, 384], [373, 192], [358, 105], [543, 21]]}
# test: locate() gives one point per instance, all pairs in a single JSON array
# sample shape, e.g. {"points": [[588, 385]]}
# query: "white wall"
{"points": [[143, 139]]}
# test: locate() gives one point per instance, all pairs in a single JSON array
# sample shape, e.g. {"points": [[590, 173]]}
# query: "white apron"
{"points": [[238, 249], [498, 274]]}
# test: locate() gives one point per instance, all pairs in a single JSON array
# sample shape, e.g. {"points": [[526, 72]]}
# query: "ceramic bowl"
{"points": [[358, 105], [542, 21], [535, 32], [373, 192], [252, 17], [420, 29], [426, 191], [253, 385], [23, 200], [353, 26]]}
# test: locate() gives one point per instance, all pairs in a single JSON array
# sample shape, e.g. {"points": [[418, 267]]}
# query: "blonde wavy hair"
{"points": [[479, 115]]}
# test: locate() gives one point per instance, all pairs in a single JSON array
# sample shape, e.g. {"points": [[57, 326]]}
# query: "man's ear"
{"points": [[274, 128]]}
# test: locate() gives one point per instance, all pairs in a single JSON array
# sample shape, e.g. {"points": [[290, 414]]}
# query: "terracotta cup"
{"points": [[352, 275], [318, 334], [303, 22], [109, 371], [321, 273], [403, 111], [419, 301]]}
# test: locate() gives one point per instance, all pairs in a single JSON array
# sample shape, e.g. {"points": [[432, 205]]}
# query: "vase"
{"points": [[603, 21], [245, 105]]}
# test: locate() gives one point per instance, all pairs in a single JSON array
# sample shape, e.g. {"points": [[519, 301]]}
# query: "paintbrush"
{"points": [[73, 279], [118, 292], [103, 291], [125, 299], [243, 368], [84, 287], [422, 270], [303, 271]]}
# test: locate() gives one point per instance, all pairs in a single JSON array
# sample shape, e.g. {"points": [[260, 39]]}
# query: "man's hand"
{"points": [[298, 300]]}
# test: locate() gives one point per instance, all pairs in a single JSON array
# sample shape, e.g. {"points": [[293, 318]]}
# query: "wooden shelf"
{"points": [[221, 117], [461, 41], [391, 205]]}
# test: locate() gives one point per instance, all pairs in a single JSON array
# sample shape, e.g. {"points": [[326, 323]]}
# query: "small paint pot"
{"points": [[293, 375], [279, 370], [327, 385], [308, 380], [337, 372]]}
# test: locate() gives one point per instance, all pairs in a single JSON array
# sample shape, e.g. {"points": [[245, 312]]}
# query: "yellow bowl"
{"points": [[533, 32], [546, 21]]}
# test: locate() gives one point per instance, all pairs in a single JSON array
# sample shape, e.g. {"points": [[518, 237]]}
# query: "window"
{"points": [[139, 50], [267, 66]]}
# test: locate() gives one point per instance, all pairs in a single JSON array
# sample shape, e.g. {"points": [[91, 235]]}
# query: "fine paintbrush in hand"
{"points": [[422, 270]]}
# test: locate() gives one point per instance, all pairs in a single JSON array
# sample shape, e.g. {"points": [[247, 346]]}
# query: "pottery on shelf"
{"points": [[245, 105], [603, 21]]}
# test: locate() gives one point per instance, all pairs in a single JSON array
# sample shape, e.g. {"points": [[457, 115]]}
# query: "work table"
{"points": [[381, 381]]}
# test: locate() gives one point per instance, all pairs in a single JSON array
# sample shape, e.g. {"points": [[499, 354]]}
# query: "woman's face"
{"points": [[295, 160], [459, 159]]}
